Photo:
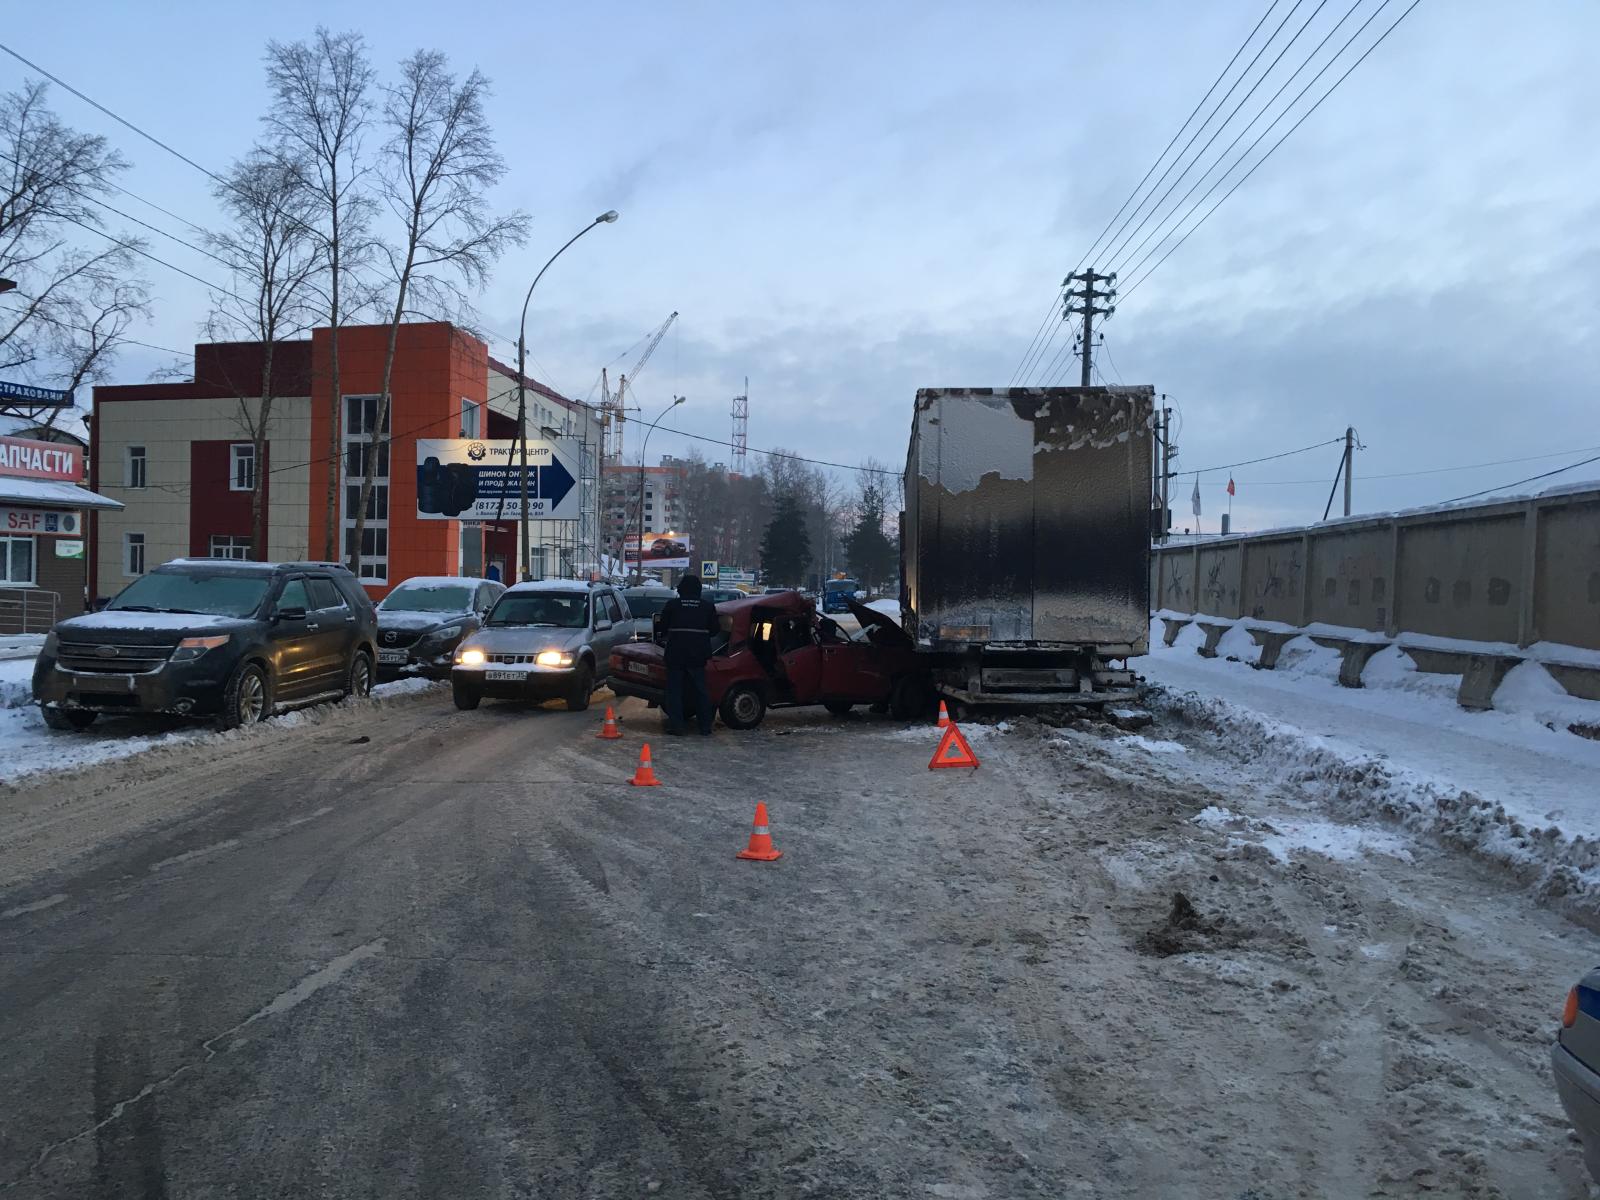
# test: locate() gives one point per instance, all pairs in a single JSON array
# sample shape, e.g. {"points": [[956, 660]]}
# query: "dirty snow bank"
{"points": [[1546, 835], [31, 748], [16, 682]]}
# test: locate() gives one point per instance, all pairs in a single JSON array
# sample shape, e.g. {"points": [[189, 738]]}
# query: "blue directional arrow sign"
{"points": [[554, 482]]}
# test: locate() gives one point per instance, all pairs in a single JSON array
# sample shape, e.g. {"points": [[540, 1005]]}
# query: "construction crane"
{"points": [[615, 406]]}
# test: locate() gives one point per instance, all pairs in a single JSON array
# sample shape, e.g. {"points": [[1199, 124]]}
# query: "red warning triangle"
{"points": [[953, 750]]}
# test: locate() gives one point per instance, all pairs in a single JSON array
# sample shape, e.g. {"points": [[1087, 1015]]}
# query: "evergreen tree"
{"points": [[786, 547], [870, 554]]}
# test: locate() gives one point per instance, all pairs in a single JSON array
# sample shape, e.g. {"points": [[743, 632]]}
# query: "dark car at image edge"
{"points": [[220, 638]]}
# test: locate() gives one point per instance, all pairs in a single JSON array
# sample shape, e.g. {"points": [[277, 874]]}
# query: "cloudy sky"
{"points": [[846, 202]]}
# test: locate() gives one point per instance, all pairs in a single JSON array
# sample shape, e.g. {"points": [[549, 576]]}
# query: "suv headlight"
{"points": [[472, 657], [193, 647], [554, 658], [445, 634]]}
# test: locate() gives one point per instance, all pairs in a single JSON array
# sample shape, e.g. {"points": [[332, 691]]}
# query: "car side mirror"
{"points": [[292, 613], [601, 624]]}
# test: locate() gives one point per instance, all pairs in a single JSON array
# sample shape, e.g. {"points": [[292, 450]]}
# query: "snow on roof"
{"points": [[52, 491], [549, 585], [442, 581]]}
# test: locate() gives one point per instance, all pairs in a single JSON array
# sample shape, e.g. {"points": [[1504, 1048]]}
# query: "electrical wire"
{"points": [[1520, 482], [1266, 458], [1146, 275], [1116, 253]]}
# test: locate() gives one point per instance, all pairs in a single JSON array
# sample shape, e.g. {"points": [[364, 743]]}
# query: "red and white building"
{"points": [[179, 459]]}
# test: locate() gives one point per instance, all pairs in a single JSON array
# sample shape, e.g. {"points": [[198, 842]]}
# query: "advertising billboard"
{"points": [[664, 551], [474, 479]]}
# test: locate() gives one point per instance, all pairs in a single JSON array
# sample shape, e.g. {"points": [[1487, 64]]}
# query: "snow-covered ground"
{"points": [[29, 747], [1513, 785]]}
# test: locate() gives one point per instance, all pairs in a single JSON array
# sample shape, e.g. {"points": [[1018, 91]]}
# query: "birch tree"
{"points": [[78, 287], [437, 164], [322, 109], [274, 256]]}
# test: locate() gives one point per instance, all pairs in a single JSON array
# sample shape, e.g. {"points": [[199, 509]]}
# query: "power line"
{"points": [[1252, 461], [1368, 476], [1226, 121], [153, 258], [1263, 111], [1520, 482], [1134, 286]]}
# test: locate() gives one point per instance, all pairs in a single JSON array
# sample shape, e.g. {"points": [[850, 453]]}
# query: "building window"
{"points": [[133, 470], [230, 545], [133, 554], [366, 455], [17, 555], [470, 416], [242, 477]]}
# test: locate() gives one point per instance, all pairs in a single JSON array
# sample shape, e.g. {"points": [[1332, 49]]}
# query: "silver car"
{"points": [[549, 639], [1576, 1057]]}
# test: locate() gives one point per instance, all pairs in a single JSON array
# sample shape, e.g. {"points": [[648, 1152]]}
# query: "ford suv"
{"points": [[219, 638]]}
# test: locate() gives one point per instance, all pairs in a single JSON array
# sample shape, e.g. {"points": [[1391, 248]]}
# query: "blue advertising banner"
{"points": [[471, 479]]}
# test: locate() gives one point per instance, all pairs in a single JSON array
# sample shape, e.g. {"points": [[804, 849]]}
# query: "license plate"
{"points": [[504, 676], [392, 656], [639, 668], [103, 683]]}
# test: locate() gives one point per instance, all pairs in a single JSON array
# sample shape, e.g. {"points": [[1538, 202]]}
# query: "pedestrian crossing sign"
{"points": [[708, 569]]}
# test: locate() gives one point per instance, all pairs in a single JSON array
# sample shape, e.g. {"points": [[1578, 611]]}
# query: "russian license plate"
{"points": [[103, 683], [639, 668], [503, 676], [391, 656]]}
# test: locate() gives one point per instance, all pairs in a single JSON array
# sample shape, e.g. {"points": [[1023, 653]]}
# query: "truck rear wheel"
{"points": [[743, 707], [910, 698]]}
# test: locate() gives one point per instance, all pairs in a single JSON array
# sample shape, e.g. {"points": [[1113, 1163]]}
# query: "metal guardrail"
{"points": [[28, 610]]}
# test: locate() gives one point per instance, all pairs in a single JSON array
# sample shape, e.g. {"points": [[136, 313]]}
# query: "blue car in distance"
{"points": [[835, 593]]}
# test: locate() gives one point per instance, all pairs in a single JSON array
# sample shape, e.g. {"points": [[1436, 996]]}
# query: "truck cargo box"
{"points": [[1027, 519]]}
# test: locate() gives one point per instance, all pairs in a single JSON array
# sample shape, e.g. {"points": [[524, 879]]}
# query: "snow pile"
{"points": [[1237, 643], [1530, 691], [1561, 866], [1303, 657], [16, 682], [1283, 838], [1152, 745]]}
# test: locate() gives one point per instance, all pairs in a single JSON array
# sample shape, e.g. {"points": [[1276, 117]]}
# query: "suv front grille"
{"points": [[89, 658], [512, 659], [397, 639]]}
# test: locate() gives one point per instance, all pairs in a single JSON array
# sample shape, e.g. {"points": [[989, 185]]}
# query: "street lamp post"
{"points": [[639, 571], [604, 218]]}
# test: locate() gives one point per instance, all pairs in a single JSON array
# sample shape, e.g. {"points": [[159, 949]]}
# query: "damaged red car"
{"points": [[779, 652]]}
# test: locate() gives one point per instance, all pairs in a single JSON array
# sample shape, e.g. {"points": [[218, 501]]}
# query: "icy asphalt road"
{"points": [[405, 951]]}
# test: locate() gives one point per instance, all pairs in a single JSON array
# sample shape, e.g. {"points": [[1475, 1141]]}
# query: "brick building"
{"points": [[179, 457]]}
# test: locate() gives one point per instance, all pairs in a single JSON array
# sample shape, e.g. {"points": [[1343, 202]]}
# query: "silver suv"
{"points": [[545, 640]]}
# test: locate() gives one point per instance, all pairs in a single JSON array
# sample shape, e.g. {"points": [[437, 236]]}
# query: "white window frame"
{"points": [[471, 419], [132, 541], [129, 458], [241, 454], [7, 557], [224, 545], [374, 567]]}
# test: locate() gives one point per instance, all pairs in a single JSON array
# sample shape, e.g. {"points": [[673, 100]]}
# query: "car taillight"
{"points": [[1569, 1014]]}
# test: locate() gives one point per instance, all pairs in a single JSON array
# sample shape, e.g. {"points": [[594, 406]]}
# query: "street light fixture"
{"points": [[639, 570], [605, 218]]}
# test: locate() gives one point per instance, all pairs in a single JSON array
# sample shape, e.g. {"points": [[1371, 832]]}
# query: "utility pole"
{"points": [[1349, 463], [1088, 309], [1166, 469]]}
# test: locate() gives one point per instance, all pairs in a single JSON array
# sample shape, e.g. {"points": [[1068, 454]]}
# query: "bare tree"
{"points": [[321, 112], [275, 256], [438, 163], [73, 303]]}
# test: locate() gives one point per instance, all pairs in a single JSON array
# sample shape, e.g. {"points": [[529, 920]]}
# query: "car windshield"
{"points": [[218, 595], [646, 604], [565, 610], [428, 597], [840, 585]]}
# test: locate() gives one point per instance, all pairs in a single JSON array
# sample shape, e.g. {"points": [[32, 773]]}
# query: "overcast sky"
{"points": [[847, 202]]}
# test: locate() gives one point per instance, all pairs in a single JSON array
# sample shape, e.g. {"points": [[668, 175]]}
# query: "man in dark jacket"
{"points": [[688, 624]]}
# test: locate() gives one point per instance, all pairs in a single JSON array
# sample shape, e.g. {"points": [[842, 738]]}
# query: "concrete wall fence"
{"points": [[1471, 590]]}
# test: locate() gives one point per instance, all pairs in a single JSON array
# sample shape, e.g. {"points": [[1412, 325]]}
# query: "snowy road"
{"points": [[404, 951]]}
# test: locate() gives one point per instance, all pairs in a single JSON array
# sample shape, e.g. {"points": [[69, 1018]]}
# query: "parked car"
{"points": [[777, 651], [837, 593], [543, 640], [421, 622], [645, 603], [234, 641], [720, 595], [1576, 1057]]}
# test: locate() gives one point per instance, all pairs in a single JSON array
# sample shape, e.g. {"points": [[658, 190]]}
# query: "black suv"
{"points": [[211, 637]]}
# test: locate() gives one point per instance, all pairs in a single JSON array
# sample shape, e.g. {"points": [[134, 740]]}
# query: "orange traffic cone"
{"points": [[760, 848], [944, 715], [609, 730], [645, 776]]}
